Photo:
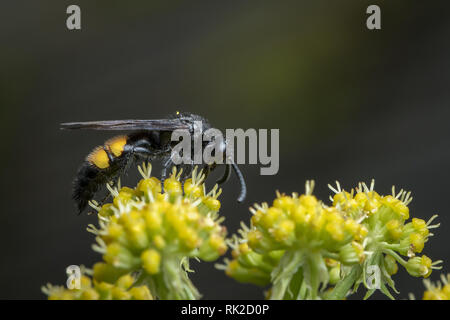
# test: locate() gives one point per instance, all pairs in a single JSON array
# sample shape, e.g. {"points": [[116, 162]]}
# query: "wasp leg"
{"points": [[187, 172], [206, 171], [134, 154], [128, 161], [168, 163], [112, 183], [142, 153]]}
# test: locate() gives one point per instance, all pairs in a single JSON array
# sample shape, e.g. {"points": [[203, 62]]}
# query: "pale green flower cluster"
{"points": [[300, 246], [123, 288], [153, 234], [439, 290], [308, 250]]}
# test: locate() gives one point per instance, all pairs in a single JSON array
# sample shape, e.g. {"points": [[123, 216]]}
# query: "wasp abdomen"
{"points": [[102, 156], [100, 167], [86, 184]]}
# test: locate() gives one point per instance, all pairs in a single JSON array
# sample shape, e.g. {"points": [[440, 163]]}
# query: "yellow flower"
{"points": [[290, 240], [300, 222], [97, 290], [151, 260], [247, 265], [360, 230], [421, 266], [394, 229], [153, 233], [391, 265], [389, 234], [438, 291]]}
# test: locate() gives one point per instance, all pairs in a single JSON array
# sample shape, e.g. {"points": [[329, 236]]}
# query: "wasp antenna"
{"points": [[241, 179], [225, 176]]}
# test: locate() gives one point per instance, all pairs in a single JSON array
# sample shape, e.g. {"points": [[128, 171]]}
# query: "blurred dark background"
{"points": [[351, 104]]}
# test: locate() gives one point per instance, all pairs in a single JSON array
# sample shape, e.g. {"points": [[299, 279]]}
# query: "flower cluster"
{"points": [[438, 291], [296, 235], [300, 245], [390, 234], [122, 289], [154, 231], [247, 265]]}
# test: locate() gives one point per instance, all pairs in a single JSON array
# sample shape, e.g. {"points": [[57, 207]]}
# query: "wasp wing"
{"points": [[158, 125]]}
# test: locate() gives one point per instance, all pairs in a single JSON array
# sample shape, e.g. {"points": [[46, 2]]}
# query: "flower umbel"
{"points": [[390, 235], [153, 233], [247, 265], [300, 245], [439, 290], [122, 289], [300, 232]]}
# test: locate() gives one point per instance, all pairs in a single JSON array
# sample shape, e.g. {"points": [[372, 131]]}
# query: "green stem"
{"points": [[172, 283], [343, 286], [315, 273], [295, 286], [283, 273], [331, 255], [395, 256]]}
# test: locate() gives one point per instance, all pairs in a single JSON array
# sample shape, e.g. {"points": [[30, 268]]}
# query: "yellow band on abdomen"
{"points": [[116, 145], [99, 158]]}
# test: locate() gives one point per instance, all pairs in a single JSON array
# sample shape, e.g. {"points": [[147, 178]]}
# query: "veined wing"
{"points": [[158, 125]]}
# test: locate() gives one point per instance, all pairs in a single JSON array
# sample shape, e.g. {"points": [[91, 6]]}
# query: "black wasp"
{"points": [[150, 140]]}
